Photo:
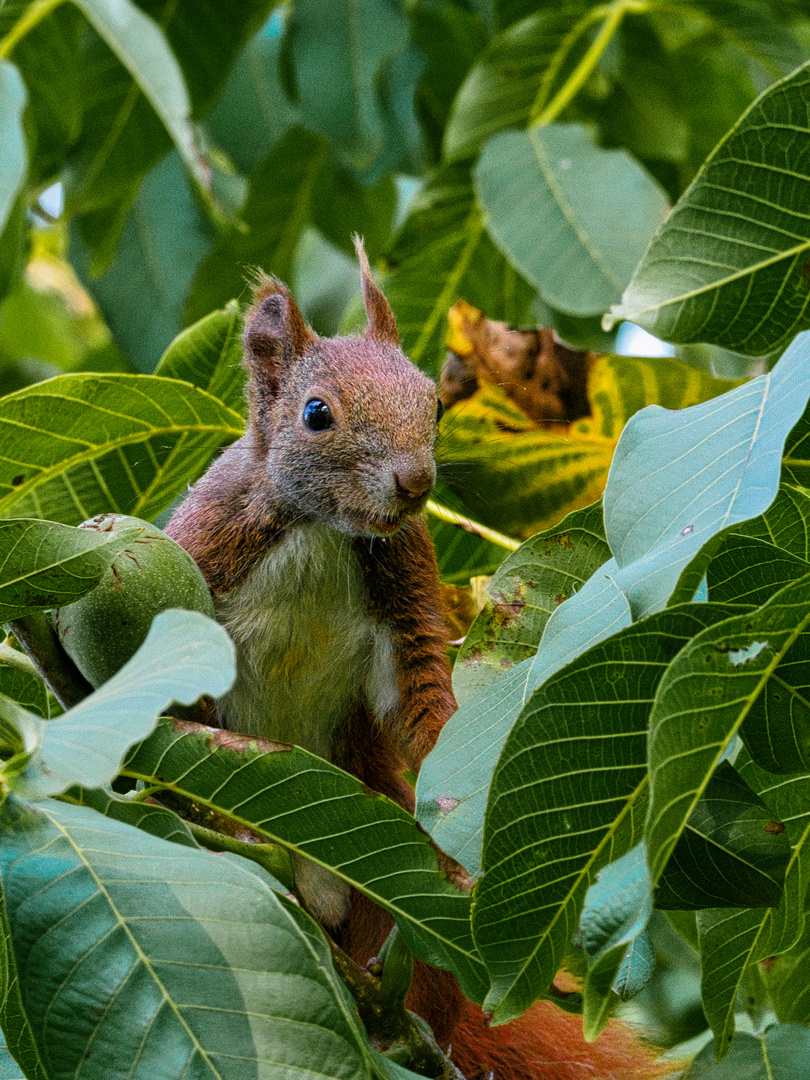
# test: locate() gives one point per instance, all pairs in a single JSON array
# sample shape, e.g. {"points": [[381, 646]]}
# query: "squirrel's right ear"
{"points": [[275, 332], [382, 325]]}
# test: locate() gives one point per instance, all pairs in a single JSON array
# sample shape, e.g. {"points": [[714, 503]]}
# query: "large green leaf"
{"points": [[106, 173], [14, 159], [208, 354], [578, 805], [317, 810], [732, 939], [45, 565], [184, 656], [781, 1052], [503, 87], [80, 445], [524, 591], [143, 289], [341, 52], [749, 571], [731, 851], [740, 279], [205, 37], [660, 510], [253, 112], [48, 57], [786, 522], [231, 980], [572, 217], [443, 240], [276, 210], [707, 693]]}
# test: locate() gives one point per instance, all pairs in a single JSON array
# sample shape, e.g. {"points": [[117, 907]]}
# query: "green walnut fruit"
{"points": [[101, 631]]}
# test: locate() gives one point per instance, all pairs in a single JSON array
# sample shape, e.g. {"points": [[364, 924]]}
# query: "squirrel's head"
{"points": [[345, 427]]}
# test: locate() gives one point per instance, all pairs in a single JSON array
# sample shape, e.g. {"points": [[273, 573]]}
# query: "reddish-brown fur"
{"points": [[233, 517]]}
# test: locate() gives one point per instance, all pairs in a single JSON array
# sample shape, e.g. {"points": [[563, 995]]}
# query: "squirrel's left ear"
{"points": [[382, 325]]}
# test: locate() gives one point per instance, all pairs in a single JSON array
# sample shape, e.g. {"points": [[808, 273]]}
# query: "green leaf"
{"points": [[739, 281], [253, 111], [14, 159], [155, 820], [277, 208], [80, 445], [151, 69], [208, 355], [749, 571], [733, 939], [143, 290], [781, 1052], [317, 810], [578, 808], [184, 656], [45, 565], [786, 522], [796, 463], [230, 977], [502, 88], [343, 206], [524, 591], [48, 57], [726, 471], [572, 217], [340, 52], [731, 851], [707, 693], [20, 681], [205, 37], [443, 240], [612, 932]]}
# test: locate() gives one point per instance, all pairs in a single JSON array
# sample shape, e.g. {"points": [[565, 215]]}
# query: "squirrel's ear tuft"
{"points": [[382, 325], [275, 331]]}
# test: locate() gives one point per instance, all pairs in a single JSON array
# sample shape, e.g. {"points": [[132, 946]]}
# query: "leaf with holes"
{"points": [[573, 772], [80, 445], [527, 587]]}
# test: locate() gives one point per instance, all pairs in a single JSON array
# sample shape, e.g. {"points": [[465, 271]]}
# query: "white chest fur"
{"points": [[307, 649]]}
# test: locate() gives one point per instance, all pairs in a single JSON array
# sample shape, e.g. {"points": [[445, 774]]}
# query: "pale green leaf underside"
{"points": [[184, 656]]}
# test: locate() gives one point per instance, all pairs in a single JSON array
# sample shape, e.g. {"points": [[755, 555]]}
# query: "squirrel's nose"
{"points": [[413, 483]]}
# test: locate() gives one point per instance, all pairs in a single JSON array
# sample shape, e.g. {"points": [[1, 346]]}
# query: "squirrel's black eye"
{"points": [[439, 410], [317, 415]]}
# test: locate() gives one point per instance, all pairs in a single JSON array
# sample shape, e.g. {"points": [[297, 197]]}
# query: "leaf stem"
{"points": [[11, 657], [613, 14], [33, 15], [452, 518], [41, 642], [271, 857]]}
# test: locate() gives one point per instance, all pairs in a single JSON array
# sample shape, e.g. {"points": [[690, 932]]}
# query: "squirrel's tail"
{"points": [[547, 1044], [544, 1044]]}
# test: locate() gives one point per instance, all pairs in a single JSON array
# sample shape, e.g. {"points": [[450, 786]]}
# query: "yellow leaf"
{"points": [[521, 478]]}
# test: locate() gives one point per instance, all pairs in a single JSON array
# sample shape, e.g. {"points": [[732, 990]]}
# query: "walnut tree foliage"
{"points": [[627, 778]]}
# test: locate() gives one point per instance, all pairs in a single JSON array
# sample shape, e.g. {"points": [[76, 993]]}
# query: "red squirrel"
{"points": [[308, 531]]}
